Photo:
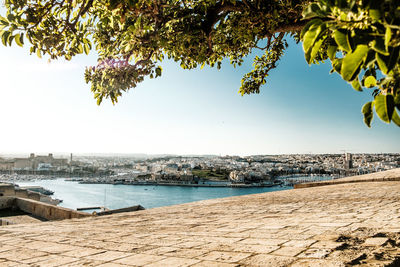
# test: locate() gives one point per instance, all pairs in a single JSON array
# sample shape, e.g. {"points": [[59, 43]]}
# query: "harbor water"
{"points": [[75, 195]]}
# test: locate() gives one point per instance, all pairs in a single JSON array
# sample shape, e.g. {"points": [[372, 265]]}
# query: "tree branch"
{"points": [[296, 26]]}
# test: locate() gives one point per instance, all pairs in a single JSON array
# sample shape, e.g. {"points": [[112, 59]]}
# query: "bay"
{"points": [[75, 195]]}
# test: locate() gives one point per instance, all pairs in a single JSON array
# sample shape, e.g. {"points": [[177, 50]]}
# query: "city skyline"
{"points": [[301, 109]]}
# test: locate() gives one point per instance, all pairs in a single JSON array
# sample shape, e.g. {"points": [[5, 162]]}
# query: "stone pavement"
{"points": [[335, 225]]}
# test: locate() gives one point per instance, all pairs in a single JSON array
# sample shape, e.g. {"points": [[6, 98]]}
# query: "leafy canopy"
{"points": [[362, 40], [360, 37]]}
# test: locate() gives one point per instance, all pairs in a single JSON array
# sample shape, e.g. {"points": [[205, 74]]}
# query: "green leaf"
{"points": [[379, 46], [332, 49], [396, 118], [368, 114], [370, 60], [313, 10], [388, 36], [384, 106], [393, 58], [311, 55], [342, 39], [86, 48], [305, 29], [337, 64], [370, 81], [10, 39], [352, 62], [80, 48], [4, 21], [381, 63], [38, 53], [356, 85], [19, 39], [312, 34], [4, 37], [158, 71]]}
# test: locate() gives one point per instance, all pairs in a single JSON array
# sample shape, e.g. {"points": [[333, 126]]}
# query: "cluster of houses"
{"points": [[191, 169], [264, 168]]}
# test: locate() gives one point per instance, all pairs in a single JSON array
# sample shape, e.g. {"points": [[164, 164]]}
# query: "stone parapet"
{"points": [[21, 193], [47, 211]]}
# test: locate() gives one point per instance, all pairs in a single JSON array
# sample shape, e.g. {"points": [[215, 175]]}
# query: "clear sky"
{"points": [[49, 108]]}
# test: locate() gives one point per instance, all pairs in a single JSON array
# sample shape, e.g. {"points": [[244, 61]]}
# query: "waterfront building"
{"points": [[6, 165], [236, 177], [39, 163]]}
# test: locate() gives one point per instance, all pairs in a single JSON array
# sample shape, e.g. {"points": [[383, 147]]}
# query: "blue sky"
{"points": [[47, 107]]}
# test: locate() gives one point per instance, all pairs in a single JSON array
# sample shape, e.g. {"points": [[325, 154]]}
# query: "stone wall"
{"points": [[21, 193], [29, 202], [7, 202], [10, 190], [47, 211], [7, 190]]}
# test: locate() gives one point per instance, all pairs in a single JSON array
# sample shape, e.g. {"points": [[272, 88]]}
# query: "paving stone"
{"points": [[267, 260], [317, 263], [14, 264], [246, 248], [299, 243], [108, 256], [336, 224], [55, 260], [51, 247], [288, 251], [111, 264], [165, 242], [20, 254], [13, 241], [327, 237], [266, 242], [34, 260], [315, 253], [173, 261], [6, 247], [84, 262], [190, 244], [224, 256], [327, 244], [140, 259], [83, 252], [214, 264], [375, 241], [160, 250]]}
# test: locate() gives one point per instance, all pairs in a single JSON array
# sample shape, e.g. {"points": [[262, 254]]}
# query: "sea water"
{"points": [[76, 195]]}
